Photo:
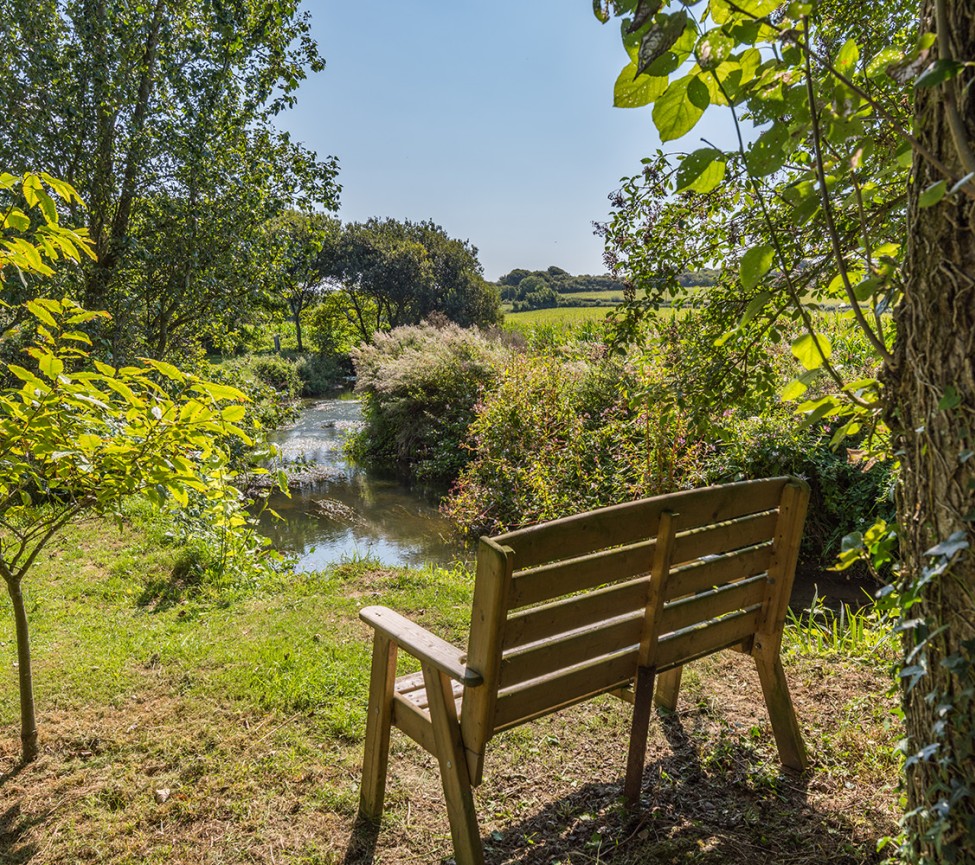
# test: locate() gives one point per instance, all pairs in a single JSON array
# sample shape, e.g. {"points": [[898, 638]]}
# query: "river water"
{"points": [[339, 511]]}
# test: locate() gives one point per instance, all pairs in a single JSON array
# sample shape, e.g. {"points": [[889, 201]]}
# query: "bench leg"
{"points": [[378, 721], [453, 768], [668, 687], [788, 737], [642, 709]]}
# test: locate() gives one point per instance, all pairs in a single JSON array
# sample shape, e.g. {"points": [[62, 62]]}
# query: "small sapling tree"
{"points": [[77, 435]]}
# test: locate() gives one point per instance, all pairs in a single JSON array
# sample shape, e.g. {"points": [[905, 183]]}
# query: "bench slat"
{"points": [[571, 614], [709, 605], [678, 649], [636, 521], [541, 658], [722, 537], [542, 696], [703, 575], [543, 583]]}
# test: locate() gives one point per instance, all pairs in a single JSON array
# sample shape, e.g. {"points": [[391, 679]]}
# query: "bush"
{"points": [[844, 496], [562, 434], [320, 373], [419, 386]]}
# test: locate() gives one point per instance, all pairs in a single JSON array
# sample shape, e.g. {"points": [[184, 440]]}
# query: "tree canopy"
{"points": [[853, 189], [161, 115], [394, 273]]}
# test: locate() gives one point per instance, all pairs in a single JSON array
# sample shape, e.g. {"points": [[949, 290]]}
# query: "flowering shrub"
{"points": [[419, 386]]}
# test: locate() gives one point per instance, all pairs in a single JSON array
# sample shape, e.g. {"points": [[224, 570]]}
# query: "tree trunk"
{"points": [[28, 721], [932, 414]]}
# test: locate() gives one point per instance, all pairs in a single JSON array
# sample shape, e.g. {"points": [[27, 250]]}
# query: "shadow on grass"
{"points": [[728, 806], [13, 827]]}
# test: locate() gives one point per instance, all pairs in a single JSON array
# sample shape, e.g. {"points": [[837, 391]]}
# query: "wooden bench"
{"points": [[615, 600]]}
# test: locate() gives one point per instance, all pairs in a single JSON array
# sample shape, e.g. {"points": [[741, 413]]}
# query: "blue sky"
{"points": [[494, 119]]}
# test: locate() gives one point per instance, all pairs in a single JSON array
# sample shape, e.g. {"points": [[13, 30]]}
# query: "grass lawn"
{"points": [[185, 726]]}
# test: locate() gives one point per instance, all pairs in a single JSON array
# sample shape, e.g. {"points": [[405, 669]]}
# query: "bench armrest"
{"points": [[421, 644]]}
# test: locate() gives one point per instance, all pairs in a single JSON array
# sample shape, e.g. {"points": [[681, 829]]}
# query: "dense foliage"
{"points": [[161, 115], [420, 385]]}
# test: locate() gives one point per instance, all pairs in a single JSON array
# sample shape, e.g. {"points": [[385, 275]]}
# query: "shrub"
{"points": [[560, 435], [844, 496], [420, 385]]}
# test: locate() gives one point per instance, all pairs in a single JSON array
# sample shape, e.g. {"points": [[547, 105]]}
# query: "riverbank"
{"points": [[226, 728]]}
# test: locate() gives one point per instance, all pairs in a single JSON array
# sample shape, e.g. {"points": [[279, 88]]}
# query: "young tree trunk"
{"points": [[28, 721], [933, 418]]}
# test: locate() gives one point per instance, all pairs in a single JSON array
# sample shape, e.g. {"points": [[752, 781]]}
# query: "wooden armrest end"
{"points": [[421, 644]]}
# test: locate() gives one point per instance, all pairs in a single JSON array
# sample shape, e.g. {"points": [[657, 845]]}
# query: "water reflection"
{"points": [[338, 510]]}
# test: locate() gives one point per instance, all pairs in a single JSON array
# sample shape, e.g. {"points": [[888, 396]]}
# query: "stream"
{"points": [[340, 511]]}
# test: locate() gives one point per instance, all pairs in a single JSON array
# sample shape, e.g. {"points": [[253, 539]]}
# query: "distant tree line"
{"points": [[543, 289]]}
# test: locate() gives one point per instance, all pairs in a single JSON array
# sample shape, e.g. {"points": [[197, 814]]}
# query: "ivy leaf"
{"points": [[660, 38], [933, 194], [956, 542], [676, 112], [808, 354], [701, 170], [755, 264]]}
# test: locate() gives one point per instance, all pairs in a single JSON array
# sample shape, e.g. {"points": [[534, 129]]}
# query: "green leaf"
{"points": [[37, 309], [847, 57], [50, 365], [805, 350], [939, 72], [767, 154], [677, 112], [635, 91], [167, 369], [701, 171], [793, 390], [757, 304], [660, 38], [18, 220], [933, 194], [714, 49], [755, 264], [645, 10]]}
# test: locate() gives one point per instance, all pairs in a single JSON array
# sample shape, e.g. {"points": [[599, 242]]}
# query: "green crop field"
{"points": [[558, 315]]}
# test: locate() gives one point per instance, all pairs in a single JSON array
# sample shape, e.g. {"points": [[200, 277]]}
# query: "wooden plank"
{"points": [[415, 722], [491, 587], [727, 568], [575, 613], [378, 720], [723, 537], [633, 522], [709, 605], [544, 657], [782, 714], [420, 643], [667, 688], [677, 649], [542, 696], [782, 567], [639, 730], [543, 583], [655, 597], [453, 769]]}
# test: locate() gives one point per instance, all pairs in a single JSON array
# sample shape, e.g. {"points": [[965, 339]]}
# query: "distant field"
{"points": [[608, 296], [559, 315]]}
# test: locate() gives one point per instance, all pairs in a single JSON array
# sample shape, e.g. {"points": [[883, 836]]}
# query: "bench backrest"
{"points": [[567, 609]]}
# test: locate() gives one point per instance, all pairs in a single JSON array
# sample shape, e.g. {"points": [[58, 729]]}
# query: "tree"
{"points": [[161, 113], [79, 435], [304, 249], [396, 273], [820, 208]]}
